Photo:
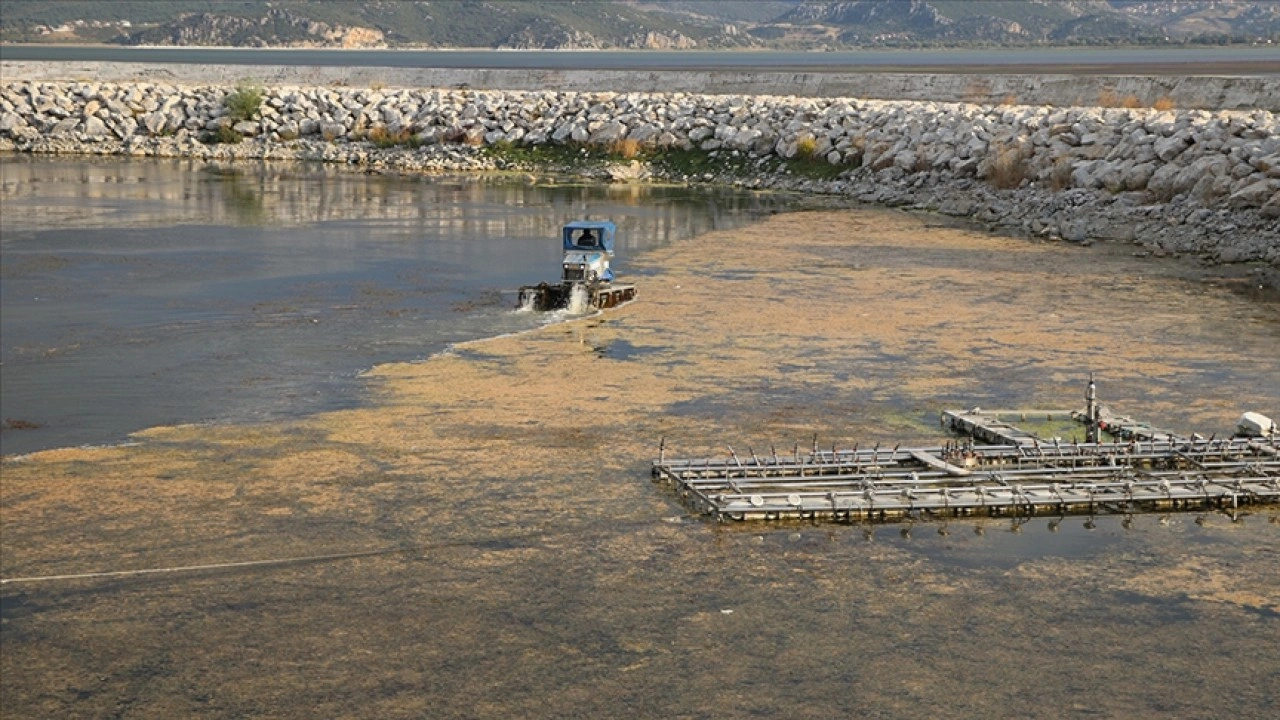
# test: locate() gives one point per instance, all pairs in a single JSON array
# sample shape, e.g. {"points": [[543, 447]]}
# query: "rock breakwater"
{"points": [[1175, 181]]}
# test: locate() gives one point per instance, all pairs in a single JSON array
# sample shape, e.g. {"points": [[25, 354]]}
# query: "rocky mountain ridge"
{"points": [[641, 24], [277, 27]]}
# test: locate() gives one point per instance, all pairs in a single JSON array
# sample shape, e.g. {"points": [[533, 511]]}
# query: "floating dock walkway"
{"points": [[1020, 474]]}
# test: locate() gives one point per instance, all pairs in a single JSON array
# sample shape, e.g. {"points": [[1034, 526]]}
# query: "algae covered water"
{"points": [[481, 537], [147, 292]]}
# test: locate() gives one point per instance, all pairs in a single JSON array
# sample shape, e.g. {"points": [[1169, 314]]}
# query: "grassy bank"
{"points": [[667, 163]]}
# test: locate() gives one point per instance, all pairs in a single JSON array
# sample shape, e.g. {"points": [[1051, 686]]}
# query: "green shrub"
{"points": [[558, 155], [807, 147], [381, 137], [224, 135], [244, 102]]}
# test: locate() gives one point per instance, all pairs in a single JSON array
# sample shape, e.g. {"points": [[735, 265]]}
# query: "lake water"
{"points": [[533, 569], [145, 292]]}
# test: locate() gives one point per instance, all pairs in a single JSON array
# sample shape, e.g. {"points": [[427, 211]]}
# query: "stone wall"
{"points": [[1176, 180]]}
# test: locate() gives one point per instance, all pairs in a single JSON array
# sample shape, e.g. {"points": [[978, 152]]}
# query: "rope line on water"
{"points": [[194, 568], [503, 539]]}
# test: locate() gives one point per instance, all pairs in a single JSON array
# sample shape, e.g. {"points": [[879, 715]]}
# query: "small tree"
{"points": [[244, 102]]}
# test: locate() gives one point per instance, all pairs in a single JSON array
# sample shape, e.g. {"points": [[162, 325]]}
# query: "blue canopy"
{"points": [[601, 235]]}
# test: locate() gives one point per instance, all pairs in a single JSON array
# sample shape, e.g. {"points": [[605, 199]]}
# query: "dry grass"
{"points": [[1109, 99], [1008, 165], [626, 148], [1163, 103], [383, 137], [1060, 174]]}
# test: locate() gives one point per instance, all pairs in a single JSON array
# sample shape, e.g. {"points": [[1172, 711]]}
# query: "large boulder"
{"points": [[65, 127], [1135, 177], [609, 132], [1268, 164], [563, 133], [1168, 148], [94, 128], [644, 133], [155, 122], [1256, 195], [1171, 180], [11, 121], [743, 139], [332, 130]]}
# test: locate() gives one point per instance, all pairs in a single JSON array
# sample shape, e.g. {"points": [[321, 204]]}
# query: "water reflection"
{"points": [[1002, 543], [44, 193], [244, 199], [141, 292]]}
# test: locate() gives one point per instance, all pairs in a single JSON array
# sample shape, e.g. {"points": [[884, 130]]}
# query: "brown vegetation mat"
{"points": [[535, 572]]}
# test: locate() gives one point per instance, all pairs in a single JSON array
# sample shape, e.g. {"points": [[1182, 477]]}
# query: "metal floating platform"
{"points": [[1021, 474]]}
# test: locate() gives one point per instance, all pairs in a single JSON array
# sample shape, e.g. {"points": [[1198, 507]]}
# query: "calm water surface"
{"points": [[140, 293]]}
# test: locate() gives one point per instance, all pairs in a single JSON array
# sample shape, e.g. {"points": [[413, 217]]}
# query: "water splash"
{"points": [[527, 302], [579, 300]]}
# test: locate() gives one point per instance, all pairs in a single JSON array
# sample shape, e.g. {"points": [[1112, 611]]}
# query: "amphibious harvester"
{"points": [[586, 280]]}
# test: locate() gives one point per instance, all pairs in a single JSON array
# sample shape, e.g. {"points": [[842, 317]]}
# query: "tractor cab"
{"points": [[588, 245]]}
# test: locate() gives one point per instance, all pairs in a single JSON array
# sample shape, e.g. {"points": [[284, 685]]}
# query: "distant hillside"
{"points": [[924, 22], [656, 24]]}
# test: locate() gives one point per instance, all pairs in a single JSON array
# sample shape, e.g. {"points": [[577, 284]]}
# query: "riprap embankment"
{"points": [[1176, 181]]}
